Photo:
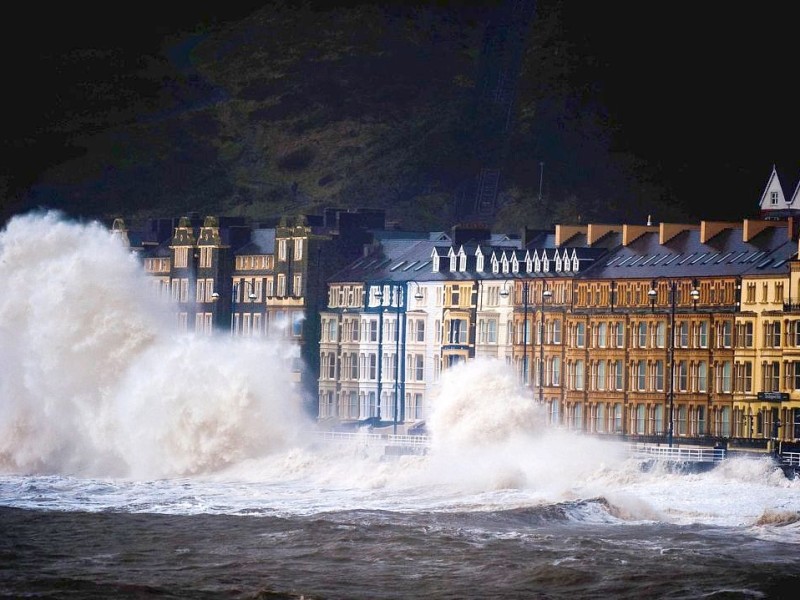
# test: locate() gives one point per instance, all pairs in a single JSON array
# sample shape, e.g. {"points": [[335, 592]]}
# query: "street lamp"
{"points": [[400, 293], [379, 297], [402, 367], [234, 294], [418, 295], [396, 292], [504, 293], [546, 296], [673, 299]]}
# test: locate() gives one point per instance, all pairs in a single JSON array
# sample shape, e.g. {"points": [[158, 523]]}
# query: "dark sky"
{"points": [[701, 91], [704, 95], [53, 58]]}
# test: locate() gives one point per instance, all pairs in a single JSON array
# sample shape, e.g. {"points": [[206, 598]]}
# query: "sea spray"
{"points": [[206, 403], [95, 381], [488, 433], [481, 403]]}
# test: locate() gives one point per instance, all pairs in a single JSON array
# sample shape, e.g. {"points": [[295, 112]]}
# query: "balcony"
{"points": [[791, 307]]}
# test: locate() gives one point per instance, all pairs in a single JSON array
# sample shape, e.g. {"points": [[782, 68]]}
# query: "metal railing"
{"points": [[638, 451], [374, 439], [790, 458], [678, 454]]}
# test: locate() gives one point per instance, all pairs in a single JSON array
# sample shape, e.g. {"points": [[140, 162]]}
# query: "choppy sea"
{"points": [[391, 531]]}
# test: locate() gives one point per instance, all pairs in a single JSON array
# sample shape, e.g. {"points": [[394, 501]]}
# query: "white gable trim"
{"points": [[452, 255], [773, 197], [796, 196], [462, 259]]}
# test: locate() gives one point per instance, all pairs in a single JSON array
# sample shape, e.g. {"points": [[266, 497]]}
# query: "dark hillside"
{"points": [[436, 112]]}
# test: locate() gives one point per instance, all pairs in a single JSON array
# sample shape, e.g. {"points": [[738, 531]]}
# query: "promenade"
{"points": [[697, 457]]}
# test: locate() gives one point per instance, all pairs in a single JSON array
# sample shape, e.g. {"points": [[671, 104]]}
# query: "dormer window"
{"points": [[537, 265], [545, 264], [514, 265], [435, 261], [575, 264], [773, 198], [558, 263], [495, 264], [505, 264], [479, 261], [462, 260]]}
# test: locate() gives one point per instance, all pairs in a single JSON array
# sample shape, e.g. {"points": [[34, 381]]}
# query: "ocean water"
{"points": [[135, 463]]}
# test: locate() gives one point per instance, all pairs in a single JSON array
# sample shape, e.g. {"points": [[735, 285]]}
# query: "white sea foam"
{"points": [[94, 381], [103, 407]]}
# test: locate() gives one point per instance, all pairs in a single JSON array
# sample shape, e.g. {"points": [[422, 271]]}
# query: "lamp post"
{"points": [[525, 367], [673, 299], [234, 294], [541, 176], [546, 295], [504, 293], [379, 298], [397, 291], [401, 369]]}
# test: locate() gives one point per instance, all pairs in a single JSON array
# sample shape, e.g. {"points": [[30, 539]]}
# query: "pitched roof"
{"points": [[262, 241], [684, 255]]}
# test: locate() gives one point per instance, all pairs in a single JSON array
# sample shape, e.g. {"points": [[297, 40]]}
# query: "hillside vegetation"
{"points": [[295, 109]]}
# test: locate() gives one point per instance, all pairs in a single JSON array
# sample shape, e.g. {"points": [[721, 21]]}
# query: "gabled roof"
{"points": [[795, 199], [774, 187]]}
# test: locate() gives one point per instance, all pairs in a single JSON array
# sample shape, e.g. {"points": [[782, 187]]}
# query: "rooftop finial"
{"points": [[649, 221]]}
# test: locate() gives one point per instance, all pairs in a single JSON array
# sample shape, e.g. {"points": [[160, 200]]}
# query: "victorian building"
{"points": [[654, 332]]}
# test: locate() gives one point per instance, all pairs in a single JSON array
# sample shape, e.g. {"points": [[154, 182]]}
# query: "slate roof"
{"points": [[262, 241], [404, 260], [394, 260], [161, 250], [725, 254]]}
